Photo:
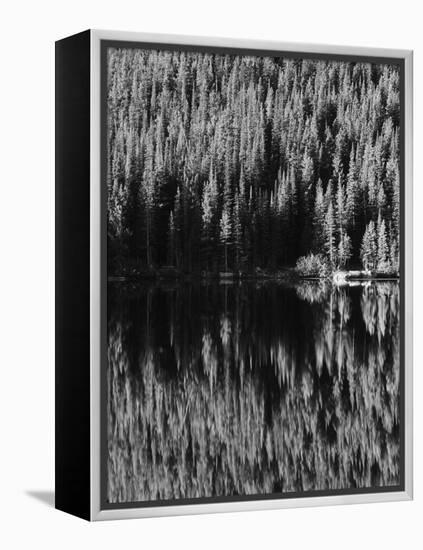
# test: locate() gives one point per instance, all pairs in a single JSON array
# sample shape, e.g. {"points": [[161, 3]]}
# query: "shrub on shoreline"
{"points": [[312, 265]]}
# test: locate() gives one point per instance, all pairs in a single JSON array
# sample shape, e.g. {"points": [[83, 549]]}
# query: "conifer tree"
{"points": [[237, 233], [208, 207], [344, 250], [318, 218], [225, 235], [382, 247], [330, 241], [368, 251]]}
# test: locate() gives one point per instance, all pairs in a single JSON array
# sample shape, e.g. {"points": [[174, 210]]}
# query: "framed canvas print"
{"points": [[233, 275]]}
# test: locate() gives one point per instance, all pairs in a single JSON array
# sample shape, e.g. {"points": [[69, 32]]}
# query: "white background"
{"points": [[29, 29]]}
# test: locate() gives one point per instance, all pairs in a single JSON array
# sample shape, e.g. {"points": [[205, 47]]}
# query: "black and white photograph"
{"points": [[211, 275], [254, 275]]}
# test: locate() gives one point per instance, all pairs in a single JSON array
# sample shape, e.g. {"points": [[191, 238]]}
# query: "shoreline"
{"points": [[289, 275]]}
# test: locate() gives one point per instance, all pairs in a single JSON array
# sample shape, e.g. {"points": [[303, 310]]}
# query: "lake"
{"points": [[251, 388]]}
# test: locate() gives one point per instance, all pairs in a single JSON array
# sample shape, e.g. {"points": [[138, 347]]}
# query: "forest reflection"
{"points": [[251, 388]]}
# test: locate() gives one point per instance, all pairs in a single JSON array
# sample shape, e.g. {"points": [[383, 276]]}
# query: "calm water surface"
{"points": [[252, 388]]}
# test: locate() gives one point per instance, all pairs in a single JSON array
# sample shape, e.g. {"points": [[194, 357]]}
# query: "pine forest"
{"points": [[229, 163]]}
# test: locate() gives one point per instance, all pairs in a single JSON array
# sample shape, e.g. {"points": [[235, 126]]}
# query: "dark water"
{"points": [[222, 390]]}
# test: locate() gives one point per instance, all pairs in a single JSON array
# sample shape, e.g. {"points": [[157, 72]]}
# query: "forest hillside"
{"points": [[233, 163]]}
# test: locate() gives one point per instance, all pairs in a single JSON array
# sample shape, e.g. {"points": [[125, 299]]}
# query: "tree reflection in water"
{"points": [[222, 390]]}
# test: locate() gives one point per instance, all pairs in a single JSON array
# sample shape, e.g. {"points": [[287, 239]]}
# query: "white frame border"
{"points": [[95, 278]]}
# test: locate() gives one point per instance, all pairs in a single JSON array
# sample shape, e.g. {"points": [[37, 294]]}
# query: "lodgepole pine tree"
{"points": [[225, 235], [383, 263], [329, 229], [368, 251]]}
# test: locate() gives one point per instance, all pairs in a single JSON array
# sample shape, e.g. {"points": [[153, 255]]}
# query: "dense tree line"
{"points": [[219, 162]]}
